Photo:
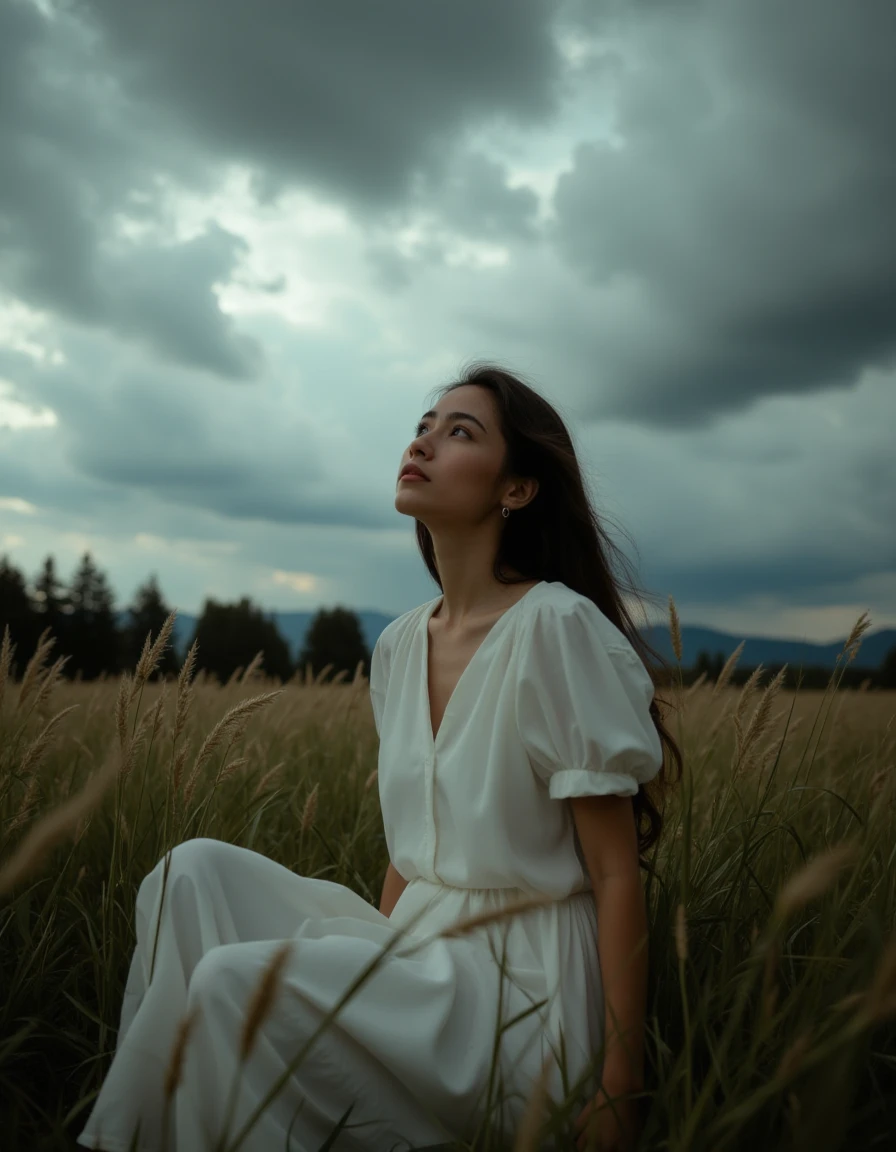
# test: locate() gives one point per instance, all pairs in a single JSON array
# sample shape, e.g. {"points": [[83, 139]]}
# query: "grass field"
{"points": [[772, 1006]]}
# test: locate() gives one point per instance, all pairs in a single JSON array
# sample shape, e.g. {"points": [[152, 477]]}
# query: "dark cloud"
{"points": [[350, 97], [127, 428], [751, 201], [468, 196], [76, 156], [475, 199], [102, 102]]}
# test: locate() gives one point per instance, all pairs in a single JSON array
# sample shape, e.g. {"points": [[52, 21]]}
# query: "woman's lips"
{"points": [[413, 476]]}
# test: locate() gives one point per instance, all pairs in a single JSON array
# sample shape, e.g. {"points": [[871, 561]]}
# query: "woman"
{"points": [[518, 733]]}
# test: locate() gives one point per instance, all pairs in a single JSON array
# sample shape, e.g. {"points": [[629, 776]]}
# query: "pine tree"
{"points": [[147, 614], [93, 638], [16, 612], [52, 606]]}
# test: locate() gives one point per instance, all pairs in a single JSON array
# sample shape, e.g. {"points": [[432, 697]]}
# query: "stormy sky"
{"points": [[241, 245]]}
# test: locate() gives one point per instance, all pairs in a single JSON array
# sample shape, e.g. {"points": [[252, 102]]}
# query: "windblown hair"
{"points": [[557, 536]]}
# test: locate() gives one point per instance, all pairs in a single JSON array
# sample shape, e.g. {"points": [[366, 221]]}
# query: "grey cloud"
{"points": [[74, 154], [352, 97], [469, 195], [362, 102], [476, 199], [164, 295], [164, 433], [752, 202]]}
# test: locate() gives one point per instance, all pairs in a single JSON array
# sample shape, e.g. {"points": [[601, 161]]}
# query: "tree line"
{"points": [[97, 639]]}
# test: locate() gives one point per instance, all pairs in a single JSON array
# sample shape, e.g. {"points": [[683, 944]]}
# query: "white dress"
{"points": [[553, 704]]}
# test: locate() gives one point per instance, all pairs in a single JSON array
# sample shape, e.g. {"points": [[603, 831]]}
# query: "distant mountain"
{"points": [[768, 650], [763, 650]]}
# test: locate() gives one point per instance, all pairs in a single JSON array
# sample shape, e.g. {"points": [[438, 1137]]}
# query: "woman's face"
{"points": [[461, 456]]}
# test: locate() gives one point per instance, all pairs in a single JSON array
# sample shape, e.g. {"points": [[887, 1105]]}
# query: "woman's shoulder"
{"points": [[567, 612]]}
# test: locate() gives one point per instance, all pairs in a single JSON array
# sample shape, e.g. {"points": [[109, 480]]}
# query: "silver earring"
{"points": [[505, 512]]}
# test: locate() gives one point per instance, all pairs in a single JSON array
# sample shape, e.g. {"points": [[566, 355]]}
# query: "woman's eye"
{"points": [[453, 430]]}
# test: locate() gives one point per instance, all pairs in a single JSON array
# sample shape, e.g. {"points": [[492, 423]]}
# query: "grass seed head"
{"points": [[262, 998], [310, 809], [675, 629], [175, 1064], [35, 665], [813, 879]]}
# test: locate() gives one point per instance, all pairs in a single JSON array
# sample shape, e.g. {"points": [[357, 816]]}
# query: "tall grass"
{"points": [[772, 893]]}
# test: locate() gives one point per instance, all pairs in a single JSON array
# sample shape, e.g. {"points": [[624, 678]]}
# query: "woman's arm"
{"points": [[606, 831], [393, 886], [621, 946]]}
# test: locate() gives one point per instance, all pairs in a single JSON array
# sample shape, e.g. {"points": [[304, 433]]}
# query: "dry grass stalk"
{"points": [[462, 927], [231, 725], [6, 653], [728, 669], [34, 666], [854, 640], [27, 805], [768, 757], [759, 722], [184, 691], [252, 668], [793, 1057], [746, 694], [178, 770], [48, 682], [371, 780], [698, 683], [148, 723], [310, 809], [273, 774], [175, 1065], [675, 629], [529, 1131], [37, 749], [262, 999], [151, 655], [227, 770], [813, 879], [121, 710], [880, 1000], [159, 711], [681, 933], [54, 827]]}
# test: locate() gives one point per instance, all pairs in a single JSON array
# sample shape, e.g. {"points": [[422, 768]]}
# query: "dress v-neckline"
{"points": [[427, 616]]}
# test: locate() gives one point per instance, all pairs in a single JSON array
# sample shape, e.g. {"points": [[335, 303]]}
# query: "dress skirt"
{"points": [[411, 1049]]}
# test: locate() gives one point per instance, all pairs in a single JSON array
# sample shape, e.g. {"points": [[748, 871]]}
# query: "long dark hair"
{"points": [[558, 536]]}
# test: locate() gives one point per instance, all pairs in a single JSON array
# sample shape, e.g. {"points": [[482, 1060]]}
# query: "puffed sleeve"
{"points": [[379, 678], [582, 704]]}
